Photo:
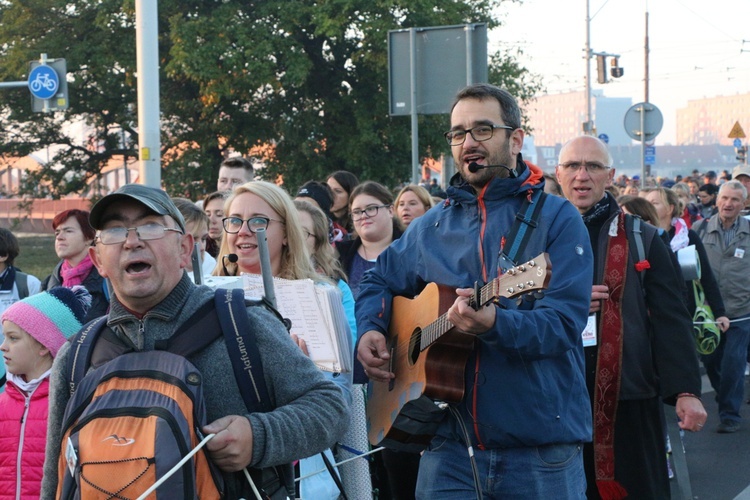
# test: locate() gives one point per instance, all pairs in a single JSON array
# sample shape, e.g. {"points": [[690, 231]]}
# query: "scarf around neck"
{"points": [[598, 213], [680, 239], [72, 276]]}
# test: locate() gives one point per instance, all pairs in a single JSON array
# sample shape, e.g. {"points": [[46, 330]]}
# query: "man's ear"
{"points": [[186, 249], [516, 140], [94, 255], [611, 177]]}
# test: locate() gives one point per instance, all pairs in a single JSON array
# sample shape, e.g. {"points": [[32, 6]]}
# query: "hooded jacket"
{"points": [[530, 388], [23, 431]]}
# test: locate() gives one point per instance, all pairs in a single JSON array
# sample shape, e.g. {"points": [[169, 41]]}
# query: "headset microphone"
{"points": [[232, 257], [475, 167]]}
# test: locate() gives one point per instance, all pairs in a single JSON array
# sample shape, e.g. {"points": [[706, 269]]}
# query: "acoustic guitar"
{"points": [[428, 357]]}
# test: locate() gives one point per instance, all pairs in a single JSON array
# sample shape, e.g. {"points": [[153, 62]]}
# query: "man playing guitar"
{"points": [[524, 411]]}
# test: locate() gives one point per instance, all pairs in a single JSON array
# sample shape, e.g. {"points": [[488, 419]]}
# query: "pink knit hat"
{"points": [[51, 317]]}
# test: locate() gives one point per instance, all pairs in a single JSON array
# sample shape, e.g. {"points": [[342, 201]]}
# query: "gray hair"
{"points": [[734, 185]]}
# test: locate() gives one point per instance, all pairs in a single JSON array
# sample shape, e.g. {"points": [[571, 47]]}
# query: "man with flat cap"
{"points": [[142, 247]]}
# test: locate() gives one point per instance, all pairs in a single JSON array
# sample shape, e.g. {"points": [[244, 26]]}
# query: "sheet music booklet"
{"points": [[317, 316]]}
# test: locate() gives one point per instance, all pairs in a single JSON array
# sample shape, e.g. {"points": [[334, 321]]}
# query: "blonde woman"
{"points": [[413, 201], [250, 207]]}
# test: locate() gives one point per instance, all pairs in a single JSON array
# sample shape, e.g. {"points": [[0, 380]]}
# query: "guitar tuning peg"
{"points": [[538, 295], [519, 301]]}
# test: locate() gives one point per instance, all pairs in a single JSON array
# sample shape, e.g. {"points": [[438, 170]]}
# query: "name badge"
{"points": [[589, 333], [739, 253]]}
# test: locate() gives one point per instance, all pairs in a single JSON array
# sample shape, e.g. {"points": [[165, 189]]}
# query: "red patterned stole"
{"points": [[608, 366]]}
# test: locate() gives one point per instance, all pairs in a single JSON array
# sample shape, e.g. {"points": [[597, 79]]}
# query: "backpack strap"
{"points": [[22, 283], [640, 252], [82, 347], [527, 219], [241, 345]]}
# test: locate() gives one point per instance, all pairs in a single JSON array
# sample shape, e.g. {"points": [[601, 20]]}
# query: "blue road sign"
{"points": [[649, 159], [737, 143], [604, 138], [649, 151], [43, 82]]}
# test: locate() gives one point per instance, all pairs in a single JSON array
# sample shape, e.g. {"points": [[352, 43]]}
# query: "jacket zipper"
{"points": [[24, 418]]}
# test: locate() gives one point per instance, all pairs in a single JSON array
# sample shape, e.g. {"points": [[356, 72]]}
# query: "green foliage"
{"points": [[309, 77], [37, 256]]}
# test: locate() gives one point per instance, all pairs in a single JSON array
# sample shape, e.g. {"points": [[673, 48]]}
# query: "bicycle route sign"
{"points": [[43, 82]]}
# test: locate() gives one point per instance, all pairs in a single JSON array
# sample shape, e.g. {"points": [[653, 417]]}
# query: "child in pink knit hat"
{"points": [[34, 329]]}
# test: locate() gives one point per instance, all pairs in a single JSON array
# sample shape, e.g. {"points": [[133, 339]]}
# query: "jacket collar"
{"points": [[714, 224], [167, 310], [529, 177]]}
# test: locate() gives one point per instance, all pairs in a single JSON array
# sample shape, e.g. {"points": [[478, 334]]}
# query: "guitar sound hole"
{"points": [[414, 343]]}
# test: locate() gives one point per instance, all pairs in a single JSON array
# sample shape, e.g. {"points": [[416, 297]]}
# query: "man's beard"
{"points": [[485, 175]]}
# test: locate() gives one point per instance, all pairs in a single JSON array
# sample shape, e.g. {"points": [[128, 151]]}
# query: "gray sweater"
{"points": [[310, 413]]}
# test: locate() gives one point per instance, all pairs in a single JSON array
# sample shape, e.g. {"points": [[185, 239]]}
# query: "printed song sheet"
{"points": [[317, 316]]}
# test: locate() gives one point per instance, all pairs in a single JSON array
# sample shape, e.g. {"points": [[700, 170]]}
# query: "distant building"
{"points": [[709, 120], [670, 160], [556, 118]]}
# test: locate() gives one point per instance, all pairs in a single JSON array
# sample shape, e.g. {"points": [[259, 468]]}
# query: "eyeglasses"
{"points": [[368, 212], [480, 133], [146, 232], [591, 167], [233, 225]]}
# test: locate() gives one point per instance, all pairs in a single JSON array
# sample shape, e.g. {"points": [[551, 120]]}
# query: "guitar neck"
{"points": [[432, 332], [533, 275]]}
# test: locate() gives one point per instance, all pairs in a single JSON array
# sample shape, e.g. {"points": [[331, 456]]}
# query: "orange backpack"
{"points": [[137, 414]]}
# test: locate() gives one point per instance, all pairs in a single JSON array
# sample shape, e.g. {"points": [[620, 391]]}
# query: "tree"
{"points": [[308, 77]]}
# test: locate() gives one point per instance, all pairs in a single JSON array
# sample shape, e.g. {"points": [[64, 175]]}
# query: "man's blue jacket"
{"points": [[524, 381]]}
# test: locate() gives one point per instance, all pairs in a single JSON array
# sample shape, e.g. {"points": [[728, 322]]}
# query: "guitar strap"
{"points": [[527, 219]]}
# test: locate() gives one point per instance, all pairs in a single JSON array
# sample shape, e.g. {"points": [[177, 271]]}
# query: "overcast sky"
{"points": [[697, 48]]}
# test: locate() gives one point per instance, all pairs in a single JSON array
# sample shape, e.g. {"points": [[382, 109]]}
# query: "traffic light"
{"points": [[59, 101], [616, 71], [601, 68]]}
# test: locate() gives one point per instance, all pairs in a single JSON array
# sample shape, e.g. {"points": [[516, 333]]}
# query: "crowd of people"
{"points": [[580, 411]]}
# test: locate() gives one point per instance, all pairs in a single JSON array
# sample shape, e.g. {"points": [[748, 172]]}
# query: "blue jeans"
{"points": [[554, 471], [725, 368]]}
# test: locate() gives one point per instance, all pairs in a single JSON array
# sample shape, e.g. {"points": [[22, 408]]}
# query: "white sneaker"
{"points": [[747, 369]]}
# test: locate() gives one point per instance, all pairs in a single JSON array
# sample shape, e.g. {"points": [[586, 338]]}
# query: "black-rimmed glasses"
{"points": [[368, 212], [480, 133], [233, 225]]}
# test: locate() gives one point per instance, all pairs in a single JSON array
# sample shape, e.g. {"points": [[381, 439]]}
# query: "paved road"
{"points": [[719, 464]]}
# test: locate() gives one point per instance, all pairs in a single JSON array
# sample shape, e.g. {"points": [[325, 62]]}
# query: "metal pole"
{"points": [[646, 60], [265, 266], [147, 54], [469, 54], [643, 146], [12, 85], [416, 175], [588, 128]]}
